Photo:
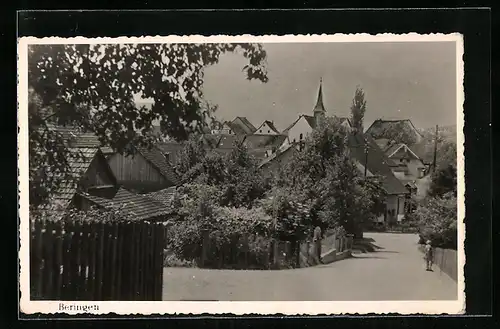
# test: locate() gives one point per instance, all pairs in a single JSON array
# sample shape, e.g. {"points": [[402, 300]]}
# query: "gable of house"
{"points": [[89, 172], [300, 128], [145, 170], [267, 128]]}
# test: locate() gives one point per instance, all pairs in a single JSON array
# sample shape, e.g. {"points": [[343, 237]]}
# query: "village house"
{"points": [[305, 124], [242, 126], [365, 152], [401, 131], [146, 170], [89, 174]]}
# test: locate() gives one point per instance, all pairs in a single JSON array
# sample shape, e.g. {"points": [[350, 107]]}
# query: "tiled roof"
{"points": [[250, 128], [236, 128], [61, 198], [259, 141], [138, 207], [276, 155], [155, 156], [378, 163], [165, 196], [380, 126], [228, 141]]}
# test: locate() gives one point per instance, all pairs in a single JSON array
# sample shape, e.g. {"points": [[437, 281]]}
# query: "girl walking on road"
{"points": [[428, 256]]}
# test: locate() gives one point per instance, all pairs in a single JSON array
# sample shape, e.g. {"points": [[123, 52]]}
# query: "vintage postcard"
{"points": [[296, 175]]}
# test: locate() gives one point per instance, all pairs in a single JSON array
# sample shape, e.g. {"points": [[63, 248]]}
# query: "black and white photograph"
{"points": [[256, 174]]}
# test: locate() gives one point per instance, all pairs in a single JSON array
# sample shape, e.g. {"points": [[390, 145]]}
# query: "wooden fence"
{"points": [[446, 260], [273, 254], [96, 261]]}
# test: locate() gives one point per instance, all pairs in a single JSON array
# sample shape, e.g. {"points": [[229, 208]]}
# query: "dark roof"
{"points": [[310, 120], [165, 196], [379, 126], [271, 125], [155, 156], [259, 141], [236, 128], [378, 163], [78, 166], [228, 141], [319, 107], [249, 126], [276, 155], [138, 207]]}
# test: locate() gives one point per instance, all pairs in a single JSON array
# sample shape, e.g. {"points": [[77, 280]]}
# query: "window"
{"points": [[294, 140], [268, 131], [260, 130], [301, 135]]}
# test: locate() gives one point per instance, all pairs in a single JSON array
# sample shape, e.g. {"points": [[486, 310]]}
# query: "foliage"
{"points": [[235, 174], [358, 109], [444, 181], [201, 212], [92, 88], [330, 183], [438, 220], [291, 214]]}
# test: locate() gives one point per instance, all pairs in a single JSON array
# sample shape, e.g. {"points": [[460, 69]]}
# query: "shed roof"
{"points": [[136, 206]]}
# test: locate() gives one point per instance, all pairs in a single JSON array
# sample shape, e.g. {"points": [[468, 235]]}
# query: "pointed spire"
{"points": [[319, 103]]}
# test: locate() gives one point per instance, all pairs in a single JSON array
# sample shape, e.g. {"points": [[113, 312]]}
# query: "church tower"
{"points": [[319, 109]]}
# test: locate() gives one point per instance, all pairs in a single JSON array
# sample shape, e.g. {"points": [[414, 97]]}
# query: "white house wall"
{"points": [[264, 129], [301, 127]]}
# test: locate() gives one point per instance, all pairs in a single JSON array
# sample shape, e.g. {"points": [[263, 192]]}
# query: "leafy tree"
{"points": [[358, 109], [330, 182], [92, 87], [438, 219], [444, 181]]}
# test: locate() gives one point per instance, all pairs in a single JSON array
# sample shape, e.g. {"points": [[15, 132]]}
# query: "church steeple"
{"points": [[319, 109]]}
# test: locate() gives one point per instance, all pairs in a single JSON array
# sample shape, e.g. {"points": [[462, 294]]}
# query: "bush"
{"points": [[438, 221]]}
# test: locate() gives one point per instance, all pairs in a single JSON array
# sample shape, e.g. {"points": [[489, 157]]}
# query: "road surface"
{"points": [[394, 272]]}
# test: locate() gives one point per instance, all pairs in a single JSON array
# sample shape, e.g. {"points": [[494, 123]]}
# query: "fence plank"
{"points": [[66, 279], [113, 270], [92, 262], [78, 262], [49, 261], [119, 263], [58, 253], [86, 255], [38, 256], [100, 261]]}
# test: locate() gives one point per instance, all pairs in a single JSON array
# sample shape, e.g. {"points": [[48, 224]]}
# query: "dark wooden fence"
{"points": [[96, 261]]}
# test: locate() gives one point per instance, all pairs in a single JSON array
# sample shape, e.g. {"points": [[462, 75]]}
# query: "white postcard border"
{"points": [[28, 306]]}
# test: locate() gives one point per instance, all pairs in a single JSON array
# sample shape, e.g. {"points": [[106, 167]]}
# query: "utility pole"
{"points": [[366, 156], [435, 149]]}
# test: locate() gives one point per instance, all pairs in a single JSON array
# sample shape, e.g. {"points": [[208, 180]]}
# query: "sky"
{"points": [[401, 80]]}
